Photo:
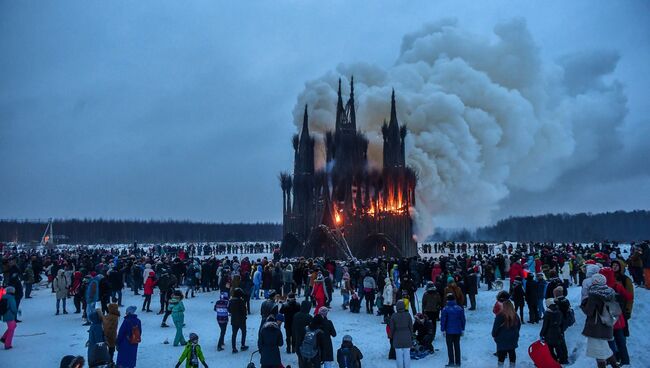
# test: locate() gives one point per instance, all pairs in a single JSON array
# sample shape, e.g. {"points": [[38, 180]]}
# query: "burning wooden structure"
{"points": [[347, 209]]}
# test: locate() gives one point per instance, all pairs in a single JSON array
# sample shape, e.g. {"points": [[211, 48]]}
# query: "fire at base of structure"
{"points": [[347, 209]]}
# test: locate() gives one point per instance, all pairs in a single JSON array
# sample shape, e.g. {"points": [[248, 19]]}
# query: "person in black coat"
{"points": [[531, 298], [238, 315], [423, 330], [552, 333], [519, 297], [104, 293], [406, 287], [115, 280], [269, 342], [471, 287], [348, 355], [269, 307], [301, 320], [316, 326], [327, 355], [289, 310], [553, 283], [505, 331]]}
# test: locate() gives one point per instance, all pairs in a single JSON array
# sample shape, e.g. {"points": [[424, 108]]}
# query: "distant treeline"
{"points": [[582, 227], [119, 231]]}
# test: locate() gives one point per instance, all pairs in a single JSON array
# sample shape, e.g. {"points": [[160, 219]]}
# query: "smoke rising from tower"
{"points": [[485, 114]]}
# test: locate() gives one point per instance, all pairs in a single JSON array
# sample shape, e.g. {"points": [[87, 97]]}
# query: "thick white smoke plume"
{"points": [[485, 114]]}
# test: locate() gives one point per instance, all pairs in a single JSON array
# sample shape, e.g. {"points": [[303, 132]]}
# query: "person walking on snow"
{"points": [[9, 317], [192, 354], [60, 286], [128, 339], [452, 326]]}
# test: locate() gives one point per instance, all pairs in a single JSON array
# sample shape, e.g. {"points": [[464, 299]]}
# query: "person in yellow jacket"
{"points": [[192, 354]]}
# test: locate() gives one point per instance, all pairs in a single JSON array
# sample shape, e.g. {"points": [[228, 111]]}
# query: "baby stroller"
{"points": [[252, 365]]}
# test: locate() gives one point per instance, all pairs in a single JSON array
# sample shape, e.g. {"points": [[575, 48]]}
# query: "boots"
{"points": [[601, 363], [612, 362]]}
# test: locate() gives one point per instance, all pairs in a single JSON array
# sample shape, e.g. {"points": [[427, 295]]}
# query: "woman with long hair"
{"points": [[505, 332]]}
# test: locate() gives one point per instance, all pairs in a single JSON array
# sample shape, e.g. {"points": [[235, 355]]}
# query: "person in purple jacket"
{"points": [[221, 307], [452, 325], [128, 339]]}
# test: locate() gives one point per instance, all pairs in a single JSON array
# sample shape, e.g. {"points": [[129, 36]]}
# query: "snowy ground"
{"points": [[43, 338]]}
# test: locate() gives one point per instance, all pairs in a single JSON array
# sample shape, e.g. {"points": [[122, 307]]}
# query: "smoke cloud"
{"points": [[486, 115]]}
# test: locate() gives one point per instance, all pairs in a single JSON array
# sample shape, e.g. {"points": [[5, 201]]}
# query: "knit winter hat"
{"points": [[194, 337], [323, 311], [450, 280], [347, 338], [598, 279], [558, 292], [10, 290], [131, 310]]}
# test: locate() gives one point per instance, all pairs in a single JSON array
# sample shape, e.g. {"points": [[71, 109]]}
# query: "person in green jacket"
{"points": [[192, 354], [178, 316]]}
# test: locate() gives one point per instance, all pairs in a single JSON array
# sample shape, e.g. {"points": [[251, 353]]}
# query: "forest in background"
{"points": [[100, 231], [619, 226]]}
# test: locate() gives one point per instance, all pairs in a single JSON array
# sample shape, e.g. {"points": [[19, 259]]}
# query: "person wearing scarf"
{"points": [[598, 333]]}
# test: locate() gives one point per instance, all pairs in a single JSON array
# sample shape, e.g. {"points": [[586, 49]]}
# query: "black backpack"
{"points": [[309, 346], [194, 357]]}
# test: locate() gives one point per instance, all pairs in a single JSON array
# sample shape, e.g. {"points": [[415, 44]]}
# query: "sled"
{"points": [[497, 285], [541, 355]]}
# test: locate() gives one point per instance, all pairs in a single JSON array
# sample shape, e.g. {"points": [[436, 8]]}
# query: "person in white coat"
{"points": [[60, 285], [565, 274], [388, 294]]}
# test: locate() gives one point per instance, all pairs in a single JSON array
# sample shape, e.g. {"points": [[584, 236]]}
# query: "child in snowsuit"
{"points": [[192, 354]]}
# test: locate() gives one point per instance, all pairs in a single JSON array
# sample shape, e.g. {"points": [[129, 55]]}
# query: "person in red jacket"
{"points": [[516, 269], [148, 291], [619, 344], [319, 292], [435, 272]]}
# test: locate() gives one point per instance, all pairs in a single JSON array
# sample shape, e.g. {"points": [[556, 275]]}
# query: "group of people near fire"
{"points": [[418, 299]]}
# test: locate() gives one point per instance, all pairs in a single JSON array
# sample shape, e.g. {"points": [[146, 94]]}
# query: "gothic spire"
{"points": [[352, 118], [393, 125], [339, 109], [305, 127]]}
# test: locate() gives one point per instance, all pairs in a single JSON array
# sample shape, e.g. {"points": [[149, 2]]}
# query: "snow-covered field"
{"points": [[43, 338]]}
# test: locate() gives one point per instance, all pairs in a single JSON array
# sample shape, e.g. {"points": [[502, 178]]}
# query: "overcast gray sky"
{"points": [[184, 110]]}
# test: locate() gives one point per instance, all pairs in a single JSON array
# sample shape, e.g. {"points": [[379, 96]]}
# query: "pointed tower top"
{"points": [[352, 87], [305, 126], [339, 87], [393, 111]]}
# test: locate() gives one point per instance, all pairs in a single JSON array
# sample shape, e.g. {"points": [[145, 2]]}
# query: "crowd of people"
{"points": [[531, 279]]}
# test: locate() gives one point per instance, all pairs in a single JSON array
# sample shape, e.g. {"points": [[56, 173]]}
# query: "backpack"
{"points": [[135, 337], [309, 346], [4, 306], [571, 318], [346, 354], [194, 357], [610, 313]]}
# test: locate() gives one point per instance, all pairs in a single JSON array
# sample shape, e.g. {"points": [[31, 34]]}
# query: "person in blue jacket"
{"points": [[10, 316], [452, 325], [257, 282], [128, 339]]}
